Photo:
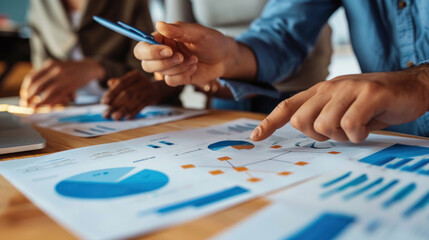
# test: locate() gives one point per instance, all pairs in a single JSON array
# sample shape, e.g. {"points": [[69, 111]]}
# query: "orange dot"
{"points": [[216, 172], [224, 158], [301, 163], [276, 146], [284, 173], [334, 152], [254, 179], [188, 166], [240, 147], [240, 169]]}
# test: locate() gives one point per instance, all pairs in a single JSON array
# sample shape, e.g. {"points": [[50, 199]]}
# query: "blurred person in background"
{"points": [[74, 57]]}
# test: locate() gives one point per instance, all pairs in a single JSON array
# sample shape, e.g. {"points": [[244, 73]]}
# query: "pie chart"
{"points": [[239, 145], [314, 144], [111, 183]]}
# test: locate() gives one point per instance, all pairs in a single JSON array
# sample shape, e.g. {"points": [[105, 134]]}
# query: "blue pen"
{"points": [[127, 30]]}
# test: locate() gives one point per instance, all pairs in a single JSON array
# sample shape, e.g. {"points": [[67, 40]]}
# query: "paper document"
{"points": [[87, 121], [133, 187], [360, 202]]}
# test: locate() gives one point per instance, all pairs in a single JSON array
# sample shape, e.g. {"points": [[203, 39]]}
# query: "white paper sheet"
{"points": [[87, 121], [360, 202], [132, 187]]}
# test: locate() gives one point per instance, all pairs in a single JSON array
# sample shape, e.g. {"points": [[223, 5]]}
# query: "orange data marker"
{"points": [[216, 172], [239, 147], [301, 163], [224, 158], [240, 169], [254, 179], [276, 146], [284, 173], [333, 152], [188, 166]]}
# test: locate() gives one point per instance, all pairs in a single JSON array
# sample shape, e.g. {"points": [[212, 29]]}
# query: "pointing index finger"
{"points": [[280, 116]]}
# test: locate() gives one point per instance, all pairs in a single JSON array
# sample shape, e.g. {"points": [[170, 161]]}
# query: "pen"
{"points": [[127, 30]]}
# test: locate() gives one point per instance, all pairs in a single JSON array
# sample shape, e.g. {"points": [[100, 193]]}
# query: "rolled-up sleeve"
{"points": [[419, 127], [281, 38]]}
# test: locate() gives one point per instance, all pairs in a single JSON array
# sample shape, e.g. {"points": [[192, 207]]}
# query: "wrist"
{"points": [[422, 75], [240, 63], [97, 70]]}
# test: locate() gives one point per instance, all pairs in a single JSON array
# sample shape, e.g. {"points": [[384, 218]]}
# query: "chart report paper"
{"points": [[360, 202], [88, 121], [133, 187]]}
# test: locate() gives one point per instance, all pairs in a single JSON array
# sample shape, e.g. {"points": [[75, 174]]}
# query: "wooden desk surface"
{"points": [[20, 219]]}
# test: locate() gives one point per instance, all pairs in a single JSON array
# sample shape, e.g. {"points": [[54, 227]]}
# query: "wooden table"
{"points": [[20, 219]]}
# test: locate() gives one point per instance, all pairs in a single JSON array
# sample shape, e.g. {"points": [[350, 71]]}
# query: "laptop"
{"points": [[16, 136]]}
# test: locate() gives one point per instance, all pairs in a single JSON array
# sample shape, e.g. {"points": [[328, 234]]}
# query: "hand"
{"points": [[128, 95], [192, 54], [348, 107], [57, 82]]}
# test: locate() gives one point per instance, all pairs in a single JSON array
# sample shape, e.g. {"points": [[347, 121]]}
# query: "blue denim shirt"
{"points": [[386, 35]]}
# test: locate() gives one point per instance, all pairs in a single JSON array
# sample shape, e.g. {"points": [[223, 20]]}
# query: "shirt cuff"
{"points": [[423, 62], [418, 127], [241, 90]]}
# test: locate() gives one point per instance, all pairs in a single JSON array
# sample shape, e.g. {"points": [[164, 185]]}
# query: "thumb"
{"points": [[181, 31]]}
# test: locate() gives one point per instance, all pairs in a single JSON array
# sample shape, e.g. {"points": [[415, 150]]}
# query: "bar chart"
{"points": [[406, 158], [390, 191]]}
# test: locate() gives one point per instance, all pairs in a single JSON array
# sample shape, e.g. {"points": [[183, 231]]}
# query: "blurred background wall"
{"points": [[14, 50]]}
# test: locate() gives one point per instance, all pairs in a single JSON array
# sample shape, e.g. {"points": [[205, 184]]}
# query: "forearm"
{"points": [[421, 74], [96, 70], [241, 62]]}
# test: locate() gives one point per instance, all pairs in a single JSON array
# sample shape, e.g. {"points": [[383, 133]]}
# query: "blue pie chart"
{"points": [[111, 183], [237, 144]]}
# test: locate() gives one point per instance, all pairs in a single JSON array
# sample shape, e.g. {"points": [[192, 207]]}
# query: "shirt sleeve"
{"points": [[419, 127], [282, 37], [423, 62], [241, 90]]}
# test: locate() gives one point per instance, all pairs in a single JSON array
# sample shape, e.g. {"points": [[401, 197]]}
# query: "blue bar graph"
{"points": [[242, 128], [382, 190], [153, 146], [340, 178], [363, 189], [96, 130], [361, 179], [373, 226], [84, 132], [423, 172], [399, 164], [416, 166], [105, 128], [400, 195], [326, 227], [395, 151], [166, 143], [419, 205], [200, 201]]}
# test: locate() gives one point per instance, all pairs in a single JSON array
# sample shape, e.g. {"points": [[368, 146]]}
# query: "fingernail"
{"points": [[166, 52], [177, 58], [117, 116], [255, 133]]}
